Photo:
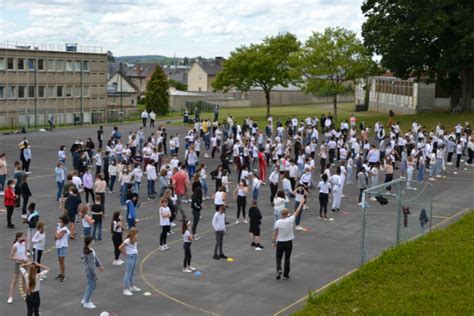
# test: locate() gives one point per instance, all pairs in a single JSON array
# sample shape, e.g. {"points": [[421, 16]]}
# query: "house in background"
{"points": [[177, 73], [203, 73], [140, 74], [122, 92]]}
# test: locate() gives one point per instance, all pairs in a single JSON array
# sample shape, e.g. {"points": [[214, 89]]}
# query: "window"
{"points": [[31, 91], [77, 91], [50, 65], [1, 92], [10, 63], [59, 91], [77, 65], [85, 65], [68, 92], [40, 64], [69, 65], [85, 91], [2, 63], [59, 65], [50, 92], [41, 92], [21, 92], [11, 92], [20, 64], [31, 64]]}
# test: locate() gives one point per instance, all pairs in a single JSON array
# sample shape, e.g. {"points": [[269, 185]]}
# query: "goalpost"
{"points": [[392, 213]]}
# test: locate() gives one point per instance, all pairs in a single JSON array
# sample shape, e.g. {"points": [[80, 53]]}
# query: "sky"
{"points": [[170, 27]]}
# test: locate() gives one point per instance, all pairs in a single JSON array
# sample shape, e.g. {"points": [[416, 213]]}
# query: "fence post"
{"points": [[399, 211], [362, 242]]}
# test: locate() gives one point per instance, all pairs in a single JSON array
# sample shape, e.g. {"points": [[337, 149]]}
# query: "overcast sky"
{"points": [[167, 27]]}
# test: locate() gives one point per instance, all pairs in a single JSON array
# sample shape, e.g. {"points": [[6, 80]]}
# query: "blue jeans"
{"points": [[150, 185], [191, 171], [86, 231], [2, 181], [129, 269], [298, 218], [123, 197], [136, 187], [112, 181], [97, 226], [255, 194], [421, 173], [130, 222], [91, 284], [60, 189], [204, 187]]}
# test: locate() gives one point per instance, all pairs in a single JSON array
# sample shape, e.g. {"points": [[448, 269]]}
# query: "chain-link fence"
{"points": [[394, 212]]}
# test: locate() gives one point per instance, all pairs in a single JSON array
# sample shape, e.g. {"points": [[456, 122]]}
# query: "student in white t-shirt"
{"points": [[129, 249], [38, 242], [165, 215], [187, 240], [62, 238]]}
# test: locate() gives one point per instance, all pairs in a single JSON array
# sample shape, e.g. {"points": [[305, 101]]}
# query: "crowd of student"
{"points": [[292, 158]]}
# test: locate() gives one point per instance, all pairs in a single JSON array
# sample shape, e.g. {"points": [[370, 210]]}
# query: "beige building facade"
{"points": [[203, 73], [37, 85]]}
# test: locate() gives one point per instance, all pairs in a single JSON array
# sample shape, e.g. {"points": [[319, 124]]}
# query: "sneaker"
{"points": [[331, 219], [433, 179], [305, 207], [115, 263], [299, 227], [186, 270], [166, 247], [59, 276], [286, 277], [62, 279], [237, 222], [10, 300], [127, 292], [360, 204], [216, 257], [455, 172], [192, 268], [82, 302], [245, 221], [325, 219], [161, 248], [438, 176], [133, 288], [372, 199], [173, 224], [120, 262], [449, 163], [196, 237], [278, 277], [258, 249], [223, 256], [88, 305], [320, 217], [260, 246], [253, 244]]}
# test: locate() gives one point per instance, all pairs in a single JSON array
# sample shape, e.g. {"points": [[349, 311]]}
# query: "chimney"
{"points": [[219, 60]]}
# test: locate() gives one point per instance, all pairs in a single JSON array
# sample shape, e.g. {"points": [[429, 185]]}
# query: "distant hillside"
{"points": [[159, 59]]}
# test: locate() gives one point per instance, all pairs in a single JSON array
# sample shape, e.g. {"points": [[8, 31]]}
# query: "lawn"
{"points": [[433, 275], [344, 111]]}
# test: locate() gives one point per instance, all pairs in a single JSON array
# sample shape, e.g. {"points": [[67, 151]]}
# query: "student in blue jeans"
{"points": [[132, 210], [129, 249], [90, 262]]}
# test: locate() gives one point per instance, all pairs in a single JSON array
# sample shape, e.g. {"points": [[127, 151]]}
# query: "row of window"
{"points": [[32, 64], [24, 92]]}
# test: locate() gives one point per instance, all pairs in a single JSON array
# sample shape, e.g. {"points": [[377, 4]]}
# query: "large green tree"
{"points": [[265, 65], [329, 62], [157, 95], [428, 39]]}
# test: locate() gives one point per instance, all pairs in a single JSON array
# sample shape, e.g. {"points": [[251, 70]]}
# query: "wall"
{"points": [[197, 79]]}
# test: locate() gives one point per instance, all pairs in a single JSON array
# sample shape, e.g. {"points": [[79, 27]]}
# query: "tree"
{"points": [[328, 63], [429, 39], [178, 85], [157, 94], [265, 65]]}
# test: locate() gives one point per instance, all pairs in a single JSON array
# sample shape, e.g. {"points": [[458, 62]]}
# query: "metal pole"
{"points": [[82, 97], [36, 99], [121, 93], [399, 212], [362, 242]]}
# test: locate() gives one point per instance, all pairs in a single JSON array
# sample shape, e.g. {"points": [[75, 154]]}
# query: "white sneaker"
{"points": [[127, 292], [299, 227], [196, 237], [192, 268], [455, 172], [258, 249], [135, 289], [305, 207], [320, 217], [431, 179], [186, 270], [10, 300], [120, 262], [438, 176], [372, 199], [237, 222], [161, 248], [88, 305], [449, 163], [166, 247], [360, 204], [82, 302], [173, 224], [325, 219], [331, 219], [115, 263], [245, 221]]}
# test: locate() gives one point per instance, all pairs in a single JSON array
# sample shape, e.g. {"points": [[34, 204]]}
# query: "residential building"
{"points": [[122, 91], [140, 74], [203, 73], [40, 82]]}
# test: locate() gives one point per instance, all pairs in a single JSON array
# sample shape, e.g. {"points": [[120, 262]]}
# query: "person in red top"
{"points": [[262, 165], [9, 201], [180, 181]]}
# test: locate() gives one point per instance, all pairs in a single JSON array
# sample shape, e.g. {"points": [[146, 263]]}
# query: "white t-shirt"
{"points": [[285, 228], [186, 235], [324, 187], [164, 221], [38, 240], [63, 241], [131, 249]]}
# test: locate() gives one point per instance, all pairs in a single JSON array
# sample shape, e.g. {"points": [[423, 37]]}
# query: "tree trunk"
{"points": [[335, 109], [267, 97], [467, 81]]}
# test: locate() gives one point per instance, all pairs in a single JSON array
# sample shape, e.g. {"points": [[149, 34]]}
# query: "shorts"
{"points": [[16, 267], [255, 230], [62, 252], [72, 216]]}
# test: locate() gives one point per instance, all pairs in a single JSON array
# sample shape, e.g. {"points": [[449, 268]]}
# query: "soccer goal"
{"points": [[392, 213]]}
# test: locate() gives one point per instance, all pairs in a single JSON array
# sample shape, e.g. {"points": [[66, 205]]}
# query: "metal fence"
{"points": [[201, 106], [394, 212]]}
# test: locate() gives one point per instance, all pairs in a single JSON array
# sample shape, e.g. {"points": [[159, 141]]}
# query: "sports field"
{"points": [[247, 286]]}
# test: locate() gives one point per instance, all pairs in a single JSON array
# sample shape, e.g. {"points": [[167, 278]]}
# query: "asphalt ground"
{"points": [[247, 286]]}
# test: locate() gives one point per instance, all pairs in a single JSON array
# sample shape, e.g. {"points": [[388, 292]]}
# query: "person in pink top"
{"points": [[180, 181]]}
